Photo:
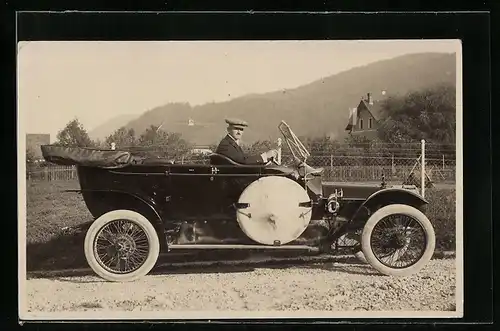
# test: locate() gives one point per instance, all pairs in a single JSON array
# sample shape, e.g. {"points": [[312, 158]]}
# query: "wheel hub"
{"points": [[124, 246], [398, 241]]}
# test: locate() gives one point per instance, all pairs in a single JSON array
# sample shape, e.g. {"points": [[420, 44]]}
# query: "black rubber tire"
{"points": [[398, 209], [144, 224]]}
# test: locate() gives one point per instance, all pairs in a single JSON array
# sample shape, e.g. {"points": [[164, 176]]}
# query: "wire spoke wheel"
{"points": [[350, 243], [350, 239], [398, 240], [121, 245]]}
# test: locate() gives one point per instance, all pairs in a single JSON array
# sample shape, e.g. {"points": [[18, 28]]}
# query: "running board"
{"points": [[230, 246]]}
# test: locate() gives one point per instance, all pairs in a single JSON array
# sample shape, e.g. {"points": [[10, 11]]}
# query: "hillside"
{"points": [[105, 129], [315, 109]]}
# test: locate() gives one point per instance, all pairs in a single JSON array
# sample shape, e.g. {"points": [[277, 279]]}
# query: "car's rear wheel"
{"points": [[353, 240], [121, 245], [398, 240]]}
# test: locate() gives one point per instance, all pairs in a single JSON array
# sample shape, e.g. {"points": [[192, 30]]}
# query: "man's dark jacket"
{"points": [[232, 150]]}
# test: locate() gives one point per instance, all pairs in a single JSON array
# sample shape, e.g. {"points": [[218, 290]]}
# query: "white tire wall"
{"points": [[274, 213], [418, 216], [360, 256], [131, 216]]}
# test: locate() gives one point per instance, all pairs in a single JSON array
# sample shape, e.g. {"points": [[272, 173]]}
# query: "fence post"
{"points": [[443, 162], [422, 171], [393, 167]]}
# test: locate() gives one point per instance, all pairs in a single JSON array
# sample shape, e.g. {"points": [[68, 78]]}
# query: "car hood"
{"points": [[351, 190]]}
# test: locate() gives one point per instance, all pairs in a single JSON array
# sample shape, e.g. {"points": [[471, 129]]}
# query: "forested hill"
{"points": [[315, 109], [106, 128]]}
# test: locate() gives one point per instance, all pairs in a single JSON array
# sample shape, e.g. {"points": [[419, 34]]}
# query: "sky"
{"points": [[96, 81]]}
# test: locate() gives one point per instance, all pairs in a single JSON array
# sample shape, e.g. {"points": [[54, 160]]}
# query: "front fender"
{"points": [[390, 196]]}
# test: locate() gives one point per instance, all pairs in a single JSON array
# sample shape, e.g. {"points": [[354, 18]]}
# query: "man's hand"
{"points": [[270, 154]]}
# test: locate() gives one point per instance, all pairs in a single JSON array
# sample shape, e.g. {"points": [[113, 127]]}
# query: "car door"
{"points": [[193, 193]]}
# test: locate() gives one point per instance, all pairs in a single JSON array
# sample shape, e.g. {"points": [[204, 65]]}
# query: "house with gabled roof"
{"points": [[363, 119]]}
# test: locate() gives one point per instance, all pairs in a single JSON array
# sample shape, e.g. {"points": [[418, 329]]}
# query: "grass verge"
{"points": [[55, 225], [442, 213]]}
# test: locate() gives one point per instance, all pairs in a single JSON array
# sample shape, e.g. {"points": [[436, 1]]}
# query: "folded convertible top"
{"points": [[86, 156]]}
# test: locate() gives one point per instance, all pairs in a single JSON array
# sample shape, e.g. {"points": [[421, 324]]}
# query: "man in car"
{"points": [[230, 145]]}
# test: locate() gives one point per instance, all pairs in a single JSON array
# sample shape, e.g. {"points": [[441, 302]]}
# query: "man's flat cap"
{"points": [[236, 122]]}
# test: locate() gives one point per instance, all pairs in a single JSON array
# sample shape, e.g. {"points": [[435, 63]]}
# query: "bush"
{"points": [[441, 212]]}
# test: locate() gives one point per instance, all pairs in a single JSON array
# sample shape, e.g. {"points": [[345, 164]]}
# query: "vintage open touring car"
{"points": [[145, 205]]}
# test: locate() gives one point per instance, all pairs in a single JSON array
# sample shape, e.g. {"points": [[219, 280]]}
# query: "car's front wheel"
{"points": [[398, 240], [121, 245]]}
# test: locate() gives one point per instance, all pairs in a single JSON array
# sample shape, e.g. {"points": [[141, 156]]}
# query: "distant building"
{"points": [[363, 118], [35, 140]]}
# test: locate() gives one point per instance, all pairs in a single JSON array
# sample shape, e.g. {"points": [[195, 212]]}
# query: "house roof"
{"points": [[375, 109]]}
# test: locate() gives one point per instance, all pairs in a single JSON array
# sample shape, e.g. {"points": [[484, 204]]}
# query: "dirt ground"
{"points": [[330, 286]]}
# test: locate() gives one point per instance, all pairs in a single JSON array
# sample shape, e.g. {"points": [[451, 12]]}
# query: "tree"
{"points": [[177, 146], [30, 156], [30, 159], [98, 143], [164, 144], [258, 147], [122, 138], [74, 135], [153, 136], [358, 141], [427, 114]]}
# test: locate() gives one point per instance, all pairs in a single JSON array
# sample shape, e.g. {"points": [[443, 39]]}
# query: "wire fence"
{"points": [[51, 172], [344, 163], [361, 168]]}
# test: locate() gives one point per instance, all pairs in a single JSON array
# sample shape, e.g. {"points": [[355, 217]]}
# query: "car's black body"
{"points": [[196, 204]]}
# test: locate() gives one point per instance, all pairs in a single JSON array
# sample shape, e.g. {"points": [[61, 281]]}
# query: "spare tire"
{"points": [[274, 210]]}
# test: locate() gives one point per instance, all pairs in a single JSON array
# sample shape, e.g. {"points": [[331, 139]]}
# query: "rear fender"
{"points": [[100, 202], [386, 197]]}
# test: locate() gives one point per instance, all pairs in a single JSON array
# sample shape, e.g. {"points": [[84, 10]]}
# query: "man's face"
{"points": [[236, 132]]}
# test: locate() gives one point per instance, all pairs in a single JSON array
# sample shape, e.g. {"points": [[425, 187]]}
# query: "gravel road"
{"points": [[338, 286]]}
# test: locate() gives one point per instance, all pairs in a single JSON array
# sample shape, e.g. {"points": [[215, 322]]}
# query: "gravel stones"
{"points": [[314, 287]]}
